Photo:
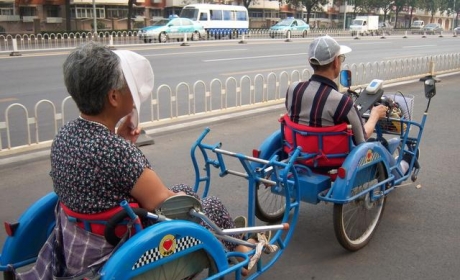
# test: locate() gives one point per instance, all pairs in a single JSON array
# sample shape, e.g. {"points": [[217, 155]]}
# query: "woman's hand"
{"points": [[128, 130]]}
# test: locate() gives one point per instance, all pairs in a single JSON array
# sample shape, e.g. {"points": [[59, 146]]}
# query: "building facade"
{"points": [[34, 16]]}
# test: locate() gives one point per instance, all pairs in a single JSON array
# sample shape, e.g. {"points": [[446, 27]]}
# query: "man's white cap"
{"points": [[138, 75], [324, 49]]}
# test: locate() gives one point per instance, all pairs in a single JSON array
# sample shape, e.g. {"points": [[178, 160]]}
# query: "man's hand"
{"points": [[379, 111]]}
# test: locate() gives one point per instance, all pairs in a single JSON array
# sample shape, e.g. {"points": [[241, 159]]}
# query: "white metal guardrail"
{"points": [[200, 99], [32, 42]]}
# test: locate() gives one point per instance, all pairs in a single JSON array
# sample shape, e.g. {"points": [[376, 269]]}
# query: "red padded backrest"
{"points": [[96, 222], [321, 146]]}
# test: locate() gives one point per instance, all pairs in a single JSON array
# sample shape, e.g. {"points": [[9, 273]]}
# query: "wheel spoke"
{"points": [[356, 221]]}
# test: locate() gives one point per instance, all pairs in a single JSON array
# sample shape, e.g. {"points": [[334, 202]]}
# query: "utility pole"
{"points": [[345, 15], [94, 17]]}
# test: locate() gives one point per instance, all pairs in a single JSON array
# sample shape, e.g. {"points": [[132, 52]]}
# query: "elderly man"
{"points": [[318, 103]]}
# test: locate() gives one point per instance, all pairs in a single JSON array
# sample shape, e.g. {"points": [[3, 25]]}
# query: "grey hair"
{"points": [[90, 72]]}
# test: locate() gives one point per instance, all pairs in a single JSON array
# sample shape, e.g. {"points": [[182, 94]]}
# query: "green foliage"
{"points": [[310, 5], [100, 25]]}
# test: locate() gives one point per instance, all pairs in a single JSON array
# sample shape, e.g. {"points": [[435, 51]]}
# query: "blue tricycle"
{"points": [[175, 246], [355, 179]]}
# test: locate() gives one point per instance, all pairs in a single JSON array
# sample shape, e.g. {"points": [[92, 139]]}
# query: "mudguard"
{"points": [[35, 225], [362, 156], [159, 244], [269, 146]]}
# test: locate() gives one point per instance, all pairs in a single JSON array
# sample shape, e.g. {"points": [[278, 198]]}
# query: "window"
{"points": [[52, 10], [216, 14], [256, 14], [27, 11], [87, 12], [186, 22], [227, 15], [156, 13], [203, 16], [117, 12], [241, 15]]}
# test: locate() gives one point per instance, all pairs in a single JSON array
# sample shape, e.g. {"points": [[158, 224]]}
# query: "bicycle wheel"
{"points": [[355, 222], [270, 206]]}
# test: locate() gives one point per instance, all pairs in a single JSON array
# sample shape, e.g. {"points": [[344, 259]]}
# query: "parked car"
{"points": [[173, 27], [417, 26], [433, 28], [385, 28], [289, 27], [457, 30]]}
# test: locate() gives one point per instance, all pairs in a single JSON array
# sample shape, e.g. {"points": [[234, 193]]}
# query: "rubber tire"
{"points": [[304, 34], [162, 38], [195, 36], [269, 199], [360, 215]]}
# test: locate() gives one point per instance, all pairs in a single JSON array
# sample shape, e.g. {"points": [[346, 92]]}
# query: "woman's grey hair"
{"points": [[90, 72]]}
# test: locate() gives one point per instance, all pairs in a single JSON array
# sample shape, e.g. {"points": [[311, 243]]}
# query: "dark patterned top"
{"points": [[318, 103], [93, 169]]}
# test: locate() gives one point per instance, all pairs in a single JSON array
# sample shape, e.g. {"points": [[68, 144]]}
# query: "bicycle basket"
{"points": [[406, 106]]}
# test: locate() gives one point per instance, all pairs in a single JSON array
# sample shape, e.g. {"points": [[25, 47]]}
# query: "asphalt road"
{"points": [[418, 237], [37, 76]]}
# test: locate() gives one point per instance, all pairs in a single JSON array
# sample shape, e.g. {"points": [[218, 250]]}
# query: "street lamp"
{"points": [[345, 15]]}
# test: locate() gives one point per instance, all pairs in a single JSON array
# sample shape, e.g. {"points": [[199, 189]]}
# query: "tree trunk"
{"points": [[67, 16], [130, 12]]}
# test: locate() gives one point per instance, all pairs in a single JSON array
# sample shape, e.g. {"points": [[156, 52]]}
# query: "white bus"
{"points": [[219, 20]]}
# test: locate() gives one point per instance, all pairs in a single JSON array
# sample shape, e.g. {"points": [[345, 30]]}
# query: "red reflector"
{"points": [[342, 173], [255, 153], [10, 228]]}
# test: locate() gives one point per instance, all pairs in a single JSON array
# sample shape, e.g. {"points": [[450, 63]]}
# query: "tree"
{"points": [[310, 6], [431, 6], [67, 16], [130, 12], [385, 5], [246, 3]]}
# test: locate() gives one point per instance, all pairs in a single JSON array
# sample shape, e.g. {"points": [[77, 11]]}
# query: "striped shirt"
{"points": [[318, 103]]}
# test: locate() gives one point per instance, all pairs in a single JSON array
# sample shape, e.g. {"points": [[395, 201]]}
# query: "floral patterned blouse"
{"points": [[92, 168]]}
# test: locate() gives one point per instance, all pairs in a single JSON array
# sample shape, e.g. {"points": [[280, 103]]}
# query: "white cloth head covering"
{"points": [[138, 75], [324, 49]]}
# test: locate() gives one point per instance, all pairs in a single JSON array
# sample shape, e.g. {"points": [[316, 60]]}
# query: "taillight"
{"points": [[255, 153], [10, 228], [341, 172]]}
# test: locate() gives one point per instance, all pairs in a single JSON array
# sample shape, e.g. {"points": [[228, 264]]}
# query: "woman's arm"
{"points": [[149, 190]]}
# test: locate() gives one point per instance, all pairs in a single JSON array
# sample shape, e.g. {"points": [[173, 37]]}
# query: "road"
{"points": [[38, 76], [418, 237]]}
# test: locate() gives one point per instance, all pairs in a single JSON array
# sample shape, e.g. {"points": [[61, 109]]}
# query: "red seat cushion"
{"points": [[321, 146], [95, 223]]}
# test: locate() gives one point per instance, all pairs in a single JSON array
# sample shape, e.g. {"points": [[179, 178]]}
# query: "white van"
{"points": [[417, 26], [219, 20]]}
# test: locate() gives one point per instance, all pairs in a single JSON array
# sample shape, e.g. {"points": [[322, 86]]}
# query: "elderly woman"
{"points": [[95, 165]]}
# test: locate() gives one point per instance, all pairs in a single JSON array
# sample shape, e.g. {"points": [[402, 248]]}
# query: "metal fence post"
{"points": [[15, 48]]}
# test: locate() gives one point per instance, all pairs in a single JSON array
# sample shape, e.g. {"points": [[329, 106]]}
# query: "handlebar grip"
{"points": [[285, 226]]}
